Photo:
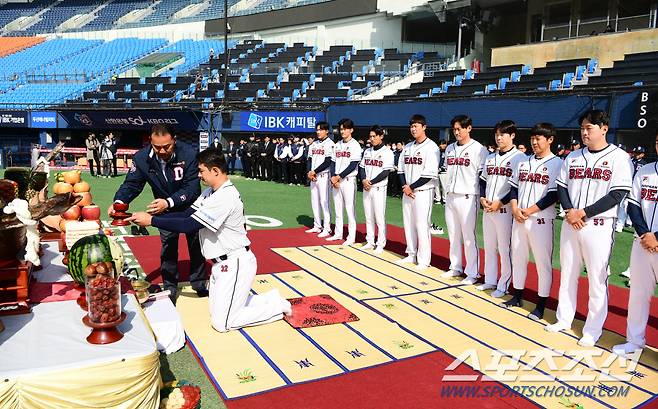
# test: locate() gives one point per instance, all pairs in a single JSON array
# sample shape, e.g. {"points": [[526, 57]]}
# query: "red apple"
{"points": [[91, 212], [73, 213]]}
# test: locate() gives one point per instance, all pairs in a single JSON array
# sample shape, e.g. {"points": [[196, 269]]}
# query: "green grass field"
{"points": [[291, 205]]}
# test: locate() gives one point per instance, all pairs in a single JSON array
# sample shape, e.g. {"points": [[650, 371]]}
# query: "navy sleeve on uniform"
{"points": [[612, 199], [382, 176], [308, 164], [483, 188], [349, 169], [182, 224], [418, 183], [563, 195], [635, 214], [506, 199], [547, 201], [324, 165], [173, 215], [332, 169], [513, 193], [362, 173], [403, 180], [132, 186]]}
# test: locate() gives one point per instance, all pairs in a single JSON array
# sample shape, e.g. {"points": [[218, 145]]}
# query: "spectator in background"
{"points": [[106, 156], [231, 155], [522, 149], [443, 175], [113, 148], [244, 158], [282, 155], [575, 145], [211, 55], [561, 152], [393, 179], [215, 143], [93, 145], [297, 162], [253, 145]]}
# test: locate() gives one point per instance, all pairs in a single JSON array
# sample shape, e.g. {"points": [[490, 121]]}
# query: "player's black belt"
{"points": [[224, 257]]}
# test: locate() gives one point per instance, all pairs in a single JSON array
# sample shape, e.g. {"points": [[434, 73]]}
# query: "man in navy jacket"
{"points": [[170, 168]]}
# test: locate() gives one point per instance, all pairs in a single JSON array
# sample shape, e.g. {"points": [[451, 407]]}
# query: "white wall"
{"points": [[370, 31], [399, 6]]}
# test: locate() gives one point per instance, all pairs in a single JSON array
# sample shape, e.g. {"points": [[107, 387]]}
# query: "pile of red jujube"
{"points": [[103, 293]]}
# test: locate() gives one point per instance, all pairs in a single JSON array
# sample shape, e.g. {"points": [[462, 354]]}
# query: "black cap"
{"points": [[575, 142], [639, 149], [560, 147]]}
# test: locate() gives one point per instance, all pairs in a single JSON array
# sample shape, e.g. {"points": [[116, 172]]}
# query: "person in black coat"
{"points": [[170, 168], [113, 149], [231, 156]]}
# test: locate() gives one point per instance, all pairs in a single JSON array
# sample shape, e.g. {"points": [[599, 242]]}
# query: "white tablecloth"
{"points": [[53, 270], [166, 324], [53, 337]]}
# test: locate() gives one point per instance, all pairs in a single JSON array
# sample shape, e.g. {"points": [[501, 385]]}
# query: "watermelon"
{"points": [[92, 249]]}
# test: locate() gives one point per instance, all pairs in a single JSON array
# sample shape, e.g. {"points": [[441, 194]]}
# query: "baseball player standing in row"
{"points": [[464, 161], [533, 196], [343, 170], [497, 219], [319, 161], [592, 183], [375, 166], [642, 203], [218, 216], [418, 168]]}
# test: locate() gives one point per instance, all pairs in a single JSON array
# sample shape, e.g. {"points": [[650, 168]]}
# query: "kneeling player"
{"points": [[533, 196], [218, 215]]}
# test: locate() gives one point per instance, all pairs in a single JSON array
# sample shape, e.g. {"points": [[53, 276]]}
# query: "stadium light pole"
{"points": [[225, 50]]}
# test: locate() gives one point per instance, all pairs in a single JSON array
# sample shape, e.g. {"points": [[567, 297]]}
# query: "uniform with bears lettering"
{"points": [[642, 208], [344, 154], [587, 177], [319, 151], [463, 166], [375, 161], [419, 160], [534, 178], [497, 226]]}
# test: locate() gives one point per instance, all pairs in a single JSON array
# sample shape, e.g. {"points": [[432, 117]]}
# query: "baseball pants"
{"points": [[443, 182], [461, 216], [344, 198], [497, 229], [534, 234], [644, 275], [231, 304], [416, 215], [374, 205], [320, 202], [593, 244]]}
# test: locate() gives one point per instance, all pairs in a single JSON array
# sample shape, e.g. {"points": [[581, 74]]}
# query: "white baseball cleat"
{"points": [[348, 243], [626, 349], [557, 327], [421, 267], [368, 246], [286, 307], [485, 286], [626, 273], [379, 250], [586, 341], [436, 230], [408, 259], [334, 238], [469, 281], [314, 230], [324, 233], [498, 294], [450, 273]]}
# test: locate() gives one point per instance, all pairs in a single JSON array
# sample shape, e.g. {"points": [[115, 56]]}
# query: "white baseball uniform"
{"points": [[497, 226], [534, 178], [318, 152], [588, 176], [374, 162], [463, 166], [344, 196], [644, 265], [419, 160], [224, 241]]}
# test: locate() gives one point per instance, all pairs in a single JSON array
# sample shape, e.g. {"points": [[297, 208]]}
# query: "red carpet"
{"points": [[64, 291], [318, 310], [414, 382]]}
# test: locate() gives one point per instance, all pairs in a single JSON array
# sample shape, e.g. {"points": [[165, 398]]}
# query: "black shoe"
{"points": [[513, 302], [143, 231], [134, 230], [536, 314], [201, 293]]}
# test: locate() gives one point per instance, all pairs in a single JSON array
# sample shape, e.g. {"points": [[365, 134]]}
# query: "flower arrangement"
{"points": [[180, 395]]}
